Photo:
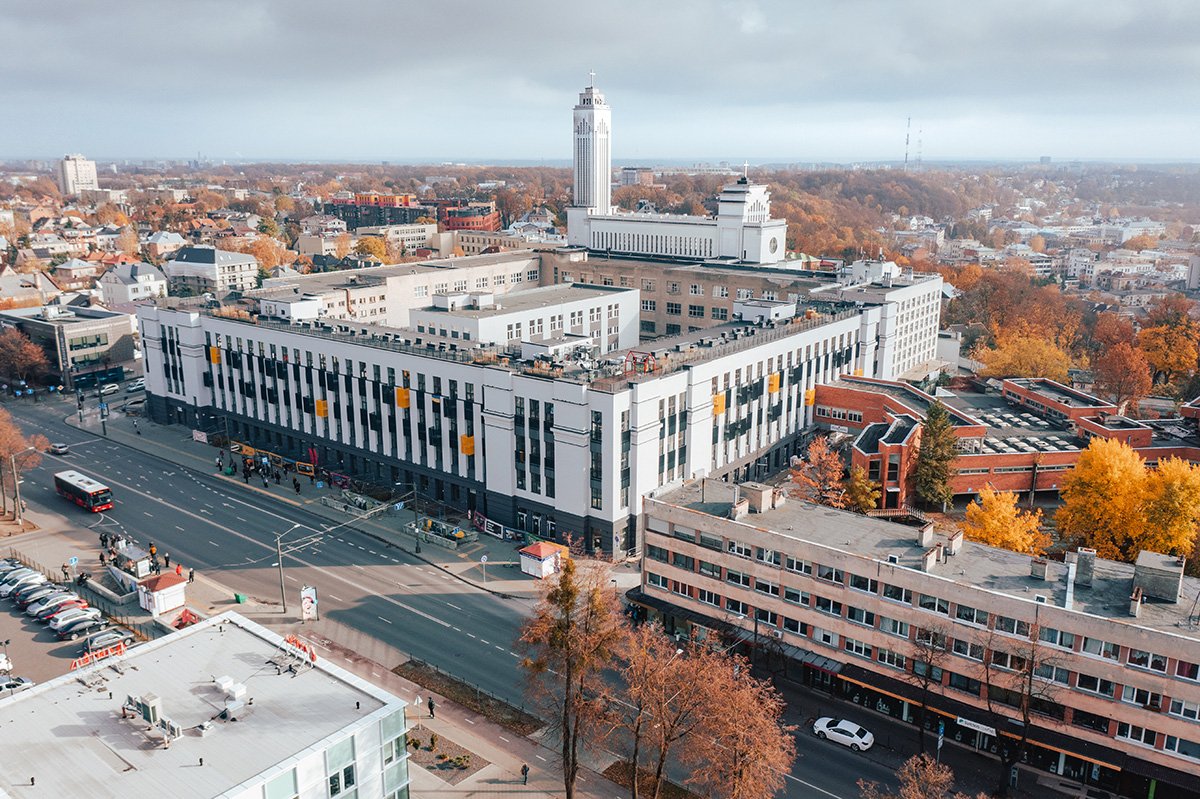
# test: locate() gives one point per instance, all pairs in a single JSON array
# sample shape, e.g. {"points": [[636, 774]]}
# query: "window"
{"points": [[857, 648], [737, 578], [859, 583], [920, 667], [391, 732], [656, 553], [339, 761], [1187, 710], [739, 549], [1147, 660], [1095, 685], [826, 605], [720, 292], [1140, 696], [795, 596], [674, 308], [720, 314], [763, 587], [672, 288], [798, 566], [767, 556], [767, 617], [860, 616], [971, 615], [893, 627], [1103, 649], [284, 786], [1053, 674], [696, 311], [930, 638], [890, 658], [1057, 637], [961, 682], [649, 305], [934, 604], [1012, 626], [1188, 671], [824, 637], [708, 597], [681, 561], [968, 650], [1139, 735], [656, 580], [1091, 721], [794, 626], [1007, 660], [897, 594], [710, 569], [736, 607], [830, 573], [1183, 747]]}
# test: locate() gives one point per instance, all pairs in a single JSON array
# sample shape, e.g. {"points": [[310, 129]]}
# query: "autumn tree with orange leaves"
{"points": [[14, 444], [819, 478], [20, 358], [921, 777], [1122, 373]]}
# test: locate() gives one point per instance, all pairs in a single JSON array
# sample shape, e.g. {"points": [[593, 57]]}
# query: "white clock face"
{"points": [[774, 245]]}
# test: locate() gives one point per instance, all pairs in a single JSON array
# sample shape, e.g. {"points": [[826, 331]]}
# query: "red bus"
{"points": [[83, 491]]}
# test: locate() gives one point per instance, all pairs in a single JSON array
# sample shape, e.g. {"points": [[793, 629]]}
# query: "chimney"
{"points": [[1158, 576], [925, 535], [954, 544], [1135, 602], [928, 558], [1086, 567], [1037, 568], [739, 509]]}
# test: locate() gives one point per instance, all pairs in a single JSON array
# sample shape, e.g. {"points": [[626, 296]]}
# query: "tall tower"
{"points": [[593, 151]]}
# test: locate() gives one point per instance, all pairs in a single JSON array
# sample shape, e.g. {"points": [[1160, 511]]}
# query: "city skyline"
{"points": [[755, 80]]}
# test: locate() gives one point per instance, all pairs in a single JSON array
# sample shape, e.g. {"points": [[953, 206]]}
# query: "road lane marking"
{"points": [[539, 757], [336, 598], [214, 543], [502, 738], [456, 607], [381, 618], [145, 513], [471, 634], [468, 721], [180, 529], [485, 641]]}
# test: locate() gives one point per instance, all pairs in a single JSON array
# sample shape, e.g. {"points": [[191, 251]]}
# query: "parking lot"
{"points": [[34, 650]]}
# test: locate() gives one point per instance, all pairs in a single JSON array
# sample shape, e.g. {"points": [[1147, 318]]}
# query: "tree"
{"points": [[862, 493], [268, 226], [935, 457], [1111, 330], [1139, 243], [820, 477], [927, 651], [1024, 355], [20, 358], [26, 450], [921, 777], [127, 241], [1171, 500], [573, 636], [371, 245], [1123, 373], [1037, 243], [342, 245], [1170, 350], [1102, 498], [748, 751], [996, 521], [1173, 310]]}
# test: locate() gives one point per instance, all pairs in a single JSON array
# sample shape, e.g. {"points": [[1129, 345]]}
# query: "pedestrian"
{"points": [[102, 562], [66, 572], [431, 707], [135, 427], [191, 575], [524, 773], [278, 477], [167, 559], [266, 483], [178, 569], [246, 476], [153, 551], [296, 485], [218, 462]]}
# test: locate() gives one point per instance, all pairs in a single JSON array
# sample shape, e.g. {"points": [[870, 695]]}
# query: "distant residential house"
{"points": [[128, 283], [19, 289], [200, 269], [76, 274], [163, 243]]}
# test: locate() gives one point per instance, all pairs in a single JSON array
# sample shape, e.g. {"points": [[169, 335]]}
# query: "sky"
{"points": [[495, 80]]}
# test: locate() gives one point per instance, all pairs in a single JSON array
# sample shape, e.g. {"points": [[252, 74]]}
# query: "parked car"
{"points": [[25, 579], [47, 615], [61, 620], [27, 595], [136, 385], [11, 685], [54, 600], [847, 733], [58, 449], [14, 572], [109, 388], [74, 629], [108, 638]]}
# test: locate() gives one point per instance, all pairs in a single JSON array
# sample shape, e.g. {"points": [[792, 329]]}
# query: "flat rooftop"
{"points": [[71, 738], [1059, 393], [976, 564], [528, 299]]}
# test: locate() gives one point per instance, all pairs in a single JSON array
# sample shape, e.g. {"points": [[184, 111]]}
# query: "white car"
{"points": [[5, 664], [109, 388], [11, 685], [136, 385], [847, 733], [52, 601], [74, 614], [11, 585]]}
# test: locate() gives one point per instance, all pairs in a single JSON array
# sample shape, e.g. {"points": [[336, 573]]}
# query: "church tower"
{"points": [[593, 152]]}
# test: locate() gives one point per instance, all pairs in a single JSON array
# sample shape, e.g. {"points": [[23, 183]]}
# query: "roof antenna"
{"points": [[746, 169], [592, 79], [907, 132]]}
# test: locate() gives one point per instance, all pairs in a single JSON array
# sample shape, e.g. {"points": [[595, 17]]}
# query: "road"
{"points": [[218, 526]]}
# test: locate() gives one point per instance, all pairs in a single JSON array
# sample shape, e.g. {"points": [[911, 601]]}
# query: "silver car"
{"points": [[25, 579], [52, 601], [74, 614]]}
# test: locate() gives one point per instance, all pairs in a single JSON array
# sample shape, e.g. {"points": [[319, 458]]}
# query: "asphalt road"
{"points": [[214, 525]]}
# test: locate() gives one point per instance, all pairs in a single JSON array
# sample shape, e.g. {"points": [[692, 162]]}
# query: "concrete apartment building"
{"points": [[222, 708], [204, 269], [1112, 650], [75, 174], [84, 346]]}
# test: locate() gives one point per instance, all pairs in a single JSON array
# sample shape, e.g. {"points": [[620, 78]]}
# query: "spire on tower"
{"points": [[746, 169], [592, 79]]}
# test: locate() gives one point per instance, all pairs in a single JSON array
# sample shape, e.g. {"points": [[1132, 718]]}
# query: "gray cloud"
{"points": [[797, 80]]}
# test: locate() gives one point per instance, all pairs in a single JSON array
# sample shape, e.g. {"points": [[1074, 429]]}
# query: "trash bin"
{"points": [[239, 598]]}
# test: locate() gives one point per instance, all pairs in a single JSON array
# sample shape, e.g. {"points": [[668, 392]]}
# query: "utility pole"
{"points": [[17, 492], [279, 554]]}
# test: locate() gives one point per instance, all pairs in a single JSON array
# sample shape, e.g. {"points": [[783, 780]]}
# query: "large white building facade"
{"points": [[76, 174]]}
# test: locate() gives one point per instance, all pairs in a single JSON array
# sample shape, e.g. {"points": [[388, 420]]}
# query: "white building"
{"points": [[742, 230], [76, 173], [126, 283], [222, 708], [404, 237], [203, 268]]}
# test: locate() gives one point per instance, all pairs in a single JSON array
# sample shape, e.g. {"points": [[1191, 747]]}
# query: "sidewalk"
{"points": [[501, 575], [369, 658]]}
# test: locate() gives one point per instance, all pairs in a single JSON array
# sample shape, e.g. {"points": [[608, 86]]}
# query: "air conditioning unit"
{"points": [[777, 633], [1040, 598]]}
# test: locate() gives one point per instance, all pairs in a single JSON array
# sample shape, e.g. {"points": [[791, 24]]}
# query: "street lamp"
{"points": [[279, 554], [17, 485]]}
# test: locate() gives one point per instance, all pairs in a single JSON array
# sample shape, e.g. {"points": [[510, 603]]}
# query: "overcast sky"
{"points": [[793, 80]]}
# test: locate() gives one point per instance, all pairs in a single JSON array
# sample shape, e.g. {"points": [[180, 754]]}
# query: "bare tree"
{"points": [[575, 633], [927, 651], [1018, 683], [921, 777]]}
